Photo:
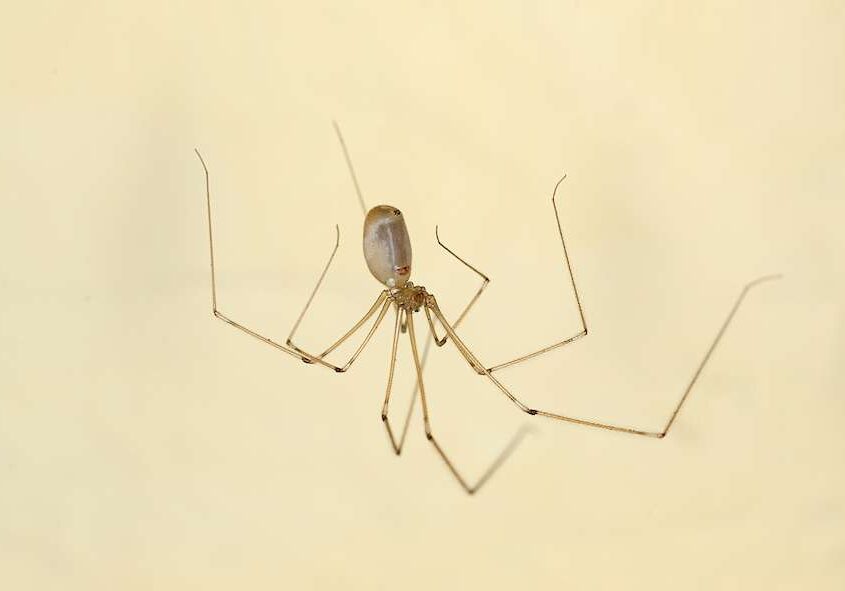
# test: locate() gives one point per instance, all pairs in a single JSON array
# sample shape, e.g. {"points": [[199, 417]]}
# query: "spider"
{"points": [[387, 251]]}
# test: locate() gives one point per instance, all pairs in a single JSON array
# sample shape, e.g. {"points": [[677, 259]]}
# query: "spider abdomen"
{"points": [[387, 246]]}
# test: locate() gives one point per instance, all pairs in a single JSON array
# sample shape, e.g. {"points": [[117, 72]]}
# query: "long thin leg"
{"points": [[433, 335], [484, 281], [500, 459], [583, 331], [657, 434], [350, 167], [397, 445], [433, 331], [350, 332], [385, 304], [317, 286], [331, 258], [412, 404], [217, 313]]}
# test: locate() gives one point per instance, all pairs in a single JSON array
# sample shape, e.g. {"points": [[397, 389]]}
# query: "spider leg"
{"points": [[657, 434], [433, 332], [382, 301], [397, 445], [484, 281], [583, 331], [350, 167], [214, 309], [497, 462], [433, 335], [307, 356], [372, 310], [317, 286]]}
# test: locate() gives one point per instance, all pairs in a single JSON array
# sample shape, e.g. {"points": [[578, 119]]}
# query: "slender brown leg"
{"points": [[583, 331], [657, 434], [328, 264], [214, 309], [433, 331], [358, 325], [385, 304], [474, 363], [307, 357], [500, 459], [433, 335], [484, 281], [350, 167], [379, 301], [397, 445], [412, 403], [317, 286]]}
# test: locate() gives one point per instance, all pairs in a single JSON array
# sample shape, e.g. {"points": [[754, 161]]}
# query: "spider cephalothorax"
{"points": [[411, 297]]}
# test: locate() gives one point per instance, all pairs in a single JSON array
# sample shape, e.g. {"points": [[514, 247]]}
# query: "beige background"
{"points": [[144, 445]]}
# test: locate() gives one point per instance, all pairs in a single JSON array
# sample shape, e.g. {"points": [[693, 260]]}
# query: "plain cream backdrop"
{"points": [[145, 445]]}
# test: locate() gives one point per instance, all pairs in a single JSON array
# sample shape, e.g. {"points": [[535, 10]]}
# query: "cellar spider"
{"points": [[387, 251]]}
